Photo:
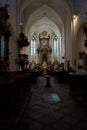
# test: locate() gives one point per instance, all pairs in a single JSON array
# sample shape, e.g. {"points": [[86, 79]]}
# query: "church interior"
{"points": [[43, 64]]}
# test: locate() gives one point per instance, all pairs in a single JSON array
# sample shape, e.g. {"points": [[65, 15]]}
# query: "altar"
{"points": [[44, 62], [44, 49]]}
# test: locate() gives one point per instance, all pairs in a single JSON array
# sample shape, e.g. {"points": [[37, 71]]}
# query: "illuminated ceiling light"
{"points": [[74, 16], [20, 24]]}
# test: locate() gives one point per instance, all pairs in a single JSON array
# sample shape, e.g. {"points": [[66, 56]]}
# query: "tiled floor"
{"points": [[52, 108]]}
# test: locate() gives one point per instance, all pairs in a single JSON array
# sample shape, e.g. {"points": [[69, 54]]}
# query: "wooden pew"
{"points": [[61, 76], [15, 92], [78, 87]]}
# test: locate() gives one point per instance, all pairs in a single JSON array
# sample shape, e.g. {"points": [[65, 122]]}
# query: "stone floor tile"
{"points": [[46, 120], [61, 125], [56, 115], [36, 115], [51, 98]]}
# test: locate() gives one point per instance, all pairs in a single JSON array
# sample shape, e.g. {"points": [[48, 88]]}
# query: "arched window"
{"points": [[55, 48], [33, 46]]}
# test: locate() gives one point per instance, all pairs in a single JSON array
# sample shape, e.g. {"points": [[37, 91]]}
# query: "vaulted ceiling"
{"points": [[41, 14], [36, 11], [29, 6]]}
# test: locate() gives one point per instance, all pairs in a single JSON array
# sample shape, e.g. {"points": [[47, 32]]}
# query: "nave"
{"points": [[52, 108]]}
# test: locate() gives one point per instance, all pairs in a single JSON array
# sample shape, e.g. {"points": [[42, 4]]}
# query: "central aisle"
{"points": [[52, 109]]}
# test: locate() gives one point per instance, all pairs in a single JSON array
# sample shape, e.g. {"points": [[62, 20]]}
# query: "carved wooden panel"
{"points": [[4, 39]]}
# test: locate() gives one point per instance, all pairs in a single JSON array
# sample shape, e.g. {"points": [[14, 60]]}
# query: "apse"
{"points": [[43, 20], [47, 34]]}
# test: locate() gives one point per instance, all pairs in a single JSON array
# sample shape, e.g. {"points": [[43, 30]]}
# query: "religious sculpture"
{"points": [[44, 50]]}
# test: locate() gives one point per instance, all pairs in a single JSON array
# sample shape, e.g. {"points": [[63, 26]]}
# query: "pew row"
{"points": [[78, 87], [61, 76], [15, 93]]}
